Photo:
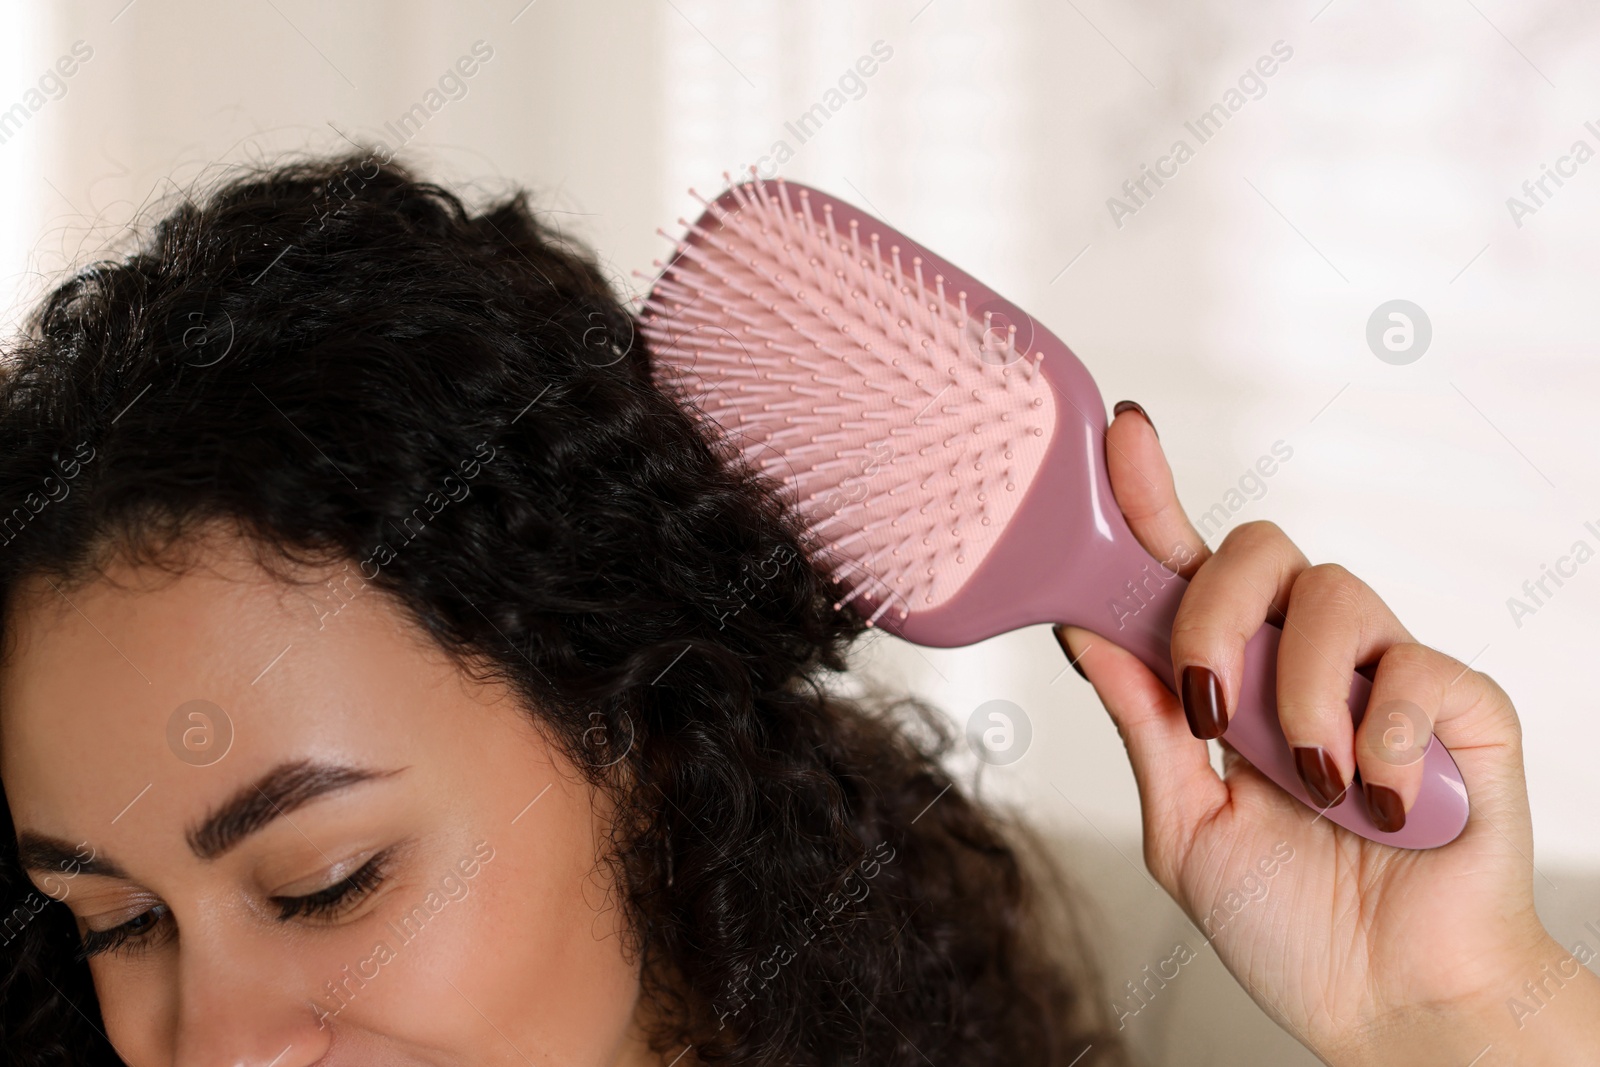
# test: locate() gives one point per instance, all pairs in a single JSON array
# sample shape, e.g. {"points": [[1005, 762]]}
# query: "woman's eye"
{"points": [[338, 897], [137, 933], [140, 932]]}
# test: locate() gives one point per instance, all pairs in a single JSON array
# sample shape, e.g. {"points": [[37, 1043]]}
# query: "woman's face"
{"points": [[384, 863]]}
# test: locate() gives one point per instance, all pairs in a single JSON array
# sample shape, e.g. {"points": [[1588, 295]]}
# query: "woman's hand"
{"points": [[1366, 953]]}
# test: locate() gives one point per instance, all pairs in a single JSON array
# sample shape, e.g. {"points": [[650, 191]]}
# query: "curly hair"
{"points": [[309, 354]]}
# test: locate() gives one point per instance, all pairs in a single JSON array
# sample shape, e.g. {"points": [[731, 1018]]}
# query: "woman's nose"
{"points": [[242, 1006]]}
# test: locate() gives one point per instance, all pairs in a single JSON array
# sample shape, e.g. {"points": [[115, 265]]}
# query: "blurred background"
{"points": [[1396, 152]]}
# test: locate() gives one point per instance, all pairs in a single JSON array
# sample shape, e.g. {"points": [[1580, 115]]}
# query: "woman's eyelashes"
{"points": [[141, 931], [153, 925], [339, 897]]}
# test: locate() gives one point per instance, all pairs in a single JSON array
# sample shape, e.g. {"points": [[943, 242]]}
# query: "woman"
{"points": [[391, 673]]}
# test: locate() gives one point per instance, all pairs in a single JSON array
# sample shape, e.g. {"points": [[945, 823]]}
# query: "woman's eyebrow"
{"points": [[39, 852], [275, 794]]}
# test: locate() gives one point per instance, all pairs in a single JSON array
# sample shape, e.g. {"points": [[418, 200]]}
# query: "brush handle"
{"points": [[1146, 614]]}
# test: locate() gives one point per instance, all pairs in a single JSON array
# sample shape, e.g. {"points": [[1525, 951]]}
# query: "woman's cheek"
{"points": [[530, 947], [136, 1008], [418, 978]]}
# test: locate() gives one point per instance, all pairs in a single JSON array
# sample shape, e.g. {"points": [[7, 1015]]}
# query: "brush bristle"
{"points": [[906, 432]]}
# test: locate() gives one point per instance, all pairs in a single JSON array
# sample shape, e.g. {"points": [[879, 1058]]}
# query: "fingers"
{"points": [[1419, 692], [1141, 481], [1227, 601], [1177, 786], [1397, 727], [1334, 623]]}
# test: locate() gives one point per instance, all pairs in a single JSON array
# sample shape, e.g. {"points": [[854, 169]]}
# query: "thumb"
{"points": [[1141, 482], [1177, 785]]}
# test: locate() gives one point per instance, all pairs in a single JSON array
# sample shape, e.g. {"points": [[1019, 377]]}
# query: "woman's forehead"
{"points": [[150, 680]]}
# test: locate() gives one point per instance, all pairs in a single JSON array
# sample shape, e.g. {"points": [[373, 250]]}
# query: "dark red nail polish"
{"points": [[1130, 405], [1202, 703], [1384, 807], [1320, 775]]}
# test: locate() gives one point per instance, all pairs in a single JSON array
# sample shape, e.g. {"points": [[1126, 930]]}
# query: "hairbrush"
{"points": [[945, 451]]}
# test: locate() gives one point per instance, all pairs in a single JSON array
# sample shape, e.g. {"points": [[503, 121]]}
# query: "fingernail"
{"points": [[1384, 807], [1062, 641], [1129, 405], [1320, 775], [1202, 703]]}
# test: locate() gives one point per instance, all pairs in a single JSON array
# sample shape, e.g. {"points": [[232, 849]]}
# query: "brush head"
{"points": [[904, 414]]}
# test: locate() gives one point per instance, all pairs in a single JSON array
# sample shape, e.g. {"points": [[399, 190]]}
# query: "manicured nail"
{"points": [[1202, 703], [1384, 807], [1062, 641], [1320, 775], [1129, 405]]}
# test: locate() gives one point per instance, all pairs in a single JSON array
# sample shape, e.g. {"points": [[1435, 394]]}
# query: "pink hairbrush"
{"points": [[953, 477]]}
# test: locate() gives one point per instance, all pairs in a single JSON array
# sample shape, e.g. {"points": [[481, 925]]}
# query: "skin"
{"points": [[518, 961], [1396, 956]]}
